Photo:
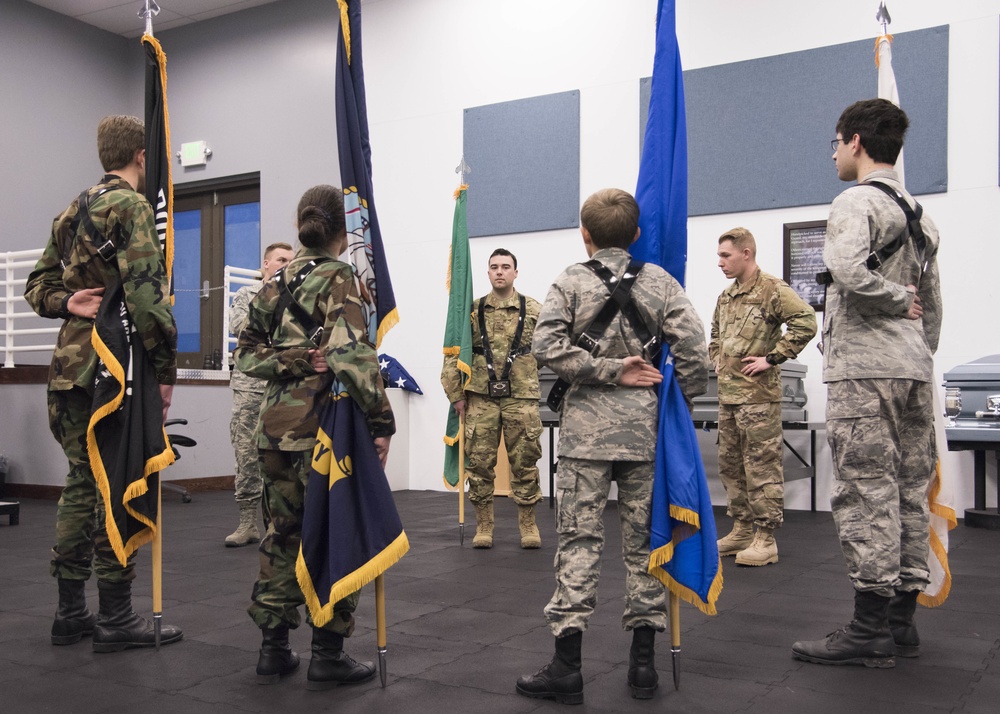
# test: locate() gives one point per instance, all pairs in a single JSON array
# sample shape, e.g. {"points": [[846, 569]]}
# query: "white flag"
{"points": [[940, 499]]}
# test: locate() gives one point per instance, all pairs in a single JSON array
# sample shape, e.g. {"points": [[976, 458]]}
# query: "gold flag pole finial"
{"points": [[147, 10]]}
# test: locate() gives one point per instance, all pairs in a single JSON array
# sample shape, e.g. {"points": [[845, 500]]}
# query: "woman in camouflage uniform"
{"points": [[276, 346]]}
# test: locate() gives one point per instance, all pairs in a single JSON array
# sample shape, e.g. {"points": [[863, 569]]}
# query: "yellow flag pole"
{"points": [[461, 480], [675, 638], [158, 567], [380, 625]]}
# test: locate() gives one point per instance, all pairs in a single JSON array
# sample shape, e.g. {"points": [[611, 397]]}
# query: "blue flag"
{"points": [[395, 376], [683, 550], [351, 532], [364, 238]]}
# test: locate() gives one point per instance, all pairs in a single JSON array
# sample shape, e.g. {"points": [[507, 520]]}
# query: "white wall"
{"points": [[426, 61], [258, 86]]}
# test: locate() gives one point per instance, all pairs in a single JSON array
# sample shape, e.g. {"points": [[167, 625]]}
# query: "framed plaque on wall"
{"points": [[804, 258]]}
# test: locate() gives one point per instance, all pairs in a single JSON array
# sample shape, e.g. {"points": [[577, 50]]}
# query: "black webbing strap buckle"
{"points": [[618, 300], [313, 330], [877, 258], [106, 246], [501, 387]]}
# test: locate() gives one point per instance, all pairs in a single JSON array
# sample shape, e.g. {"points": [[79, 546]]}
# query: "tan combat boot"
{"points": [[484, 526], [739, 538], [246, 533], [530, 537], [762, 550]]}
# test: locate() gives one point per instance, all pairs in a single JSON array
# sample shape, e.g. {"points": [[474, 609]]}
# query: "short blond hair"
{"points": [[742, 239], [275, 246]]}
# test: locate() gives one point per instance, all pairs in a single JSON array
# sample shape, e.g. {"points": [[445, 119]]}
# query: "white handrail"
{"points": [[15, 268]]}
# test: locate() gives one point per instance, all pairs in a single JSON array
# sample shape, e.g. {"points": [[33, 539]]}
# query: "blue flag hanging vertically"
{"points": [[364, 238], [683, 550], [351, 532]]}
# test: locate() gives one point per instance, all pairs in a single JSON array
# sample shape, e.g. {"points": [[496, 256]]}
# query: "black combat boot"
{"points": [[331, 666], [73, 619], [119, 628], [276, 657], [642, 677], [560, 679], [902, 607], [866, 640]]}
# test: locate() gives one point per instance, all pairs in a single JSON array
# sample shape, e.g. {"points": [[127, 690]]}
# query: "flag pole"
{"points": [[461, 480], [158, 567], [675, 638], [380, 625], [147, 10]]}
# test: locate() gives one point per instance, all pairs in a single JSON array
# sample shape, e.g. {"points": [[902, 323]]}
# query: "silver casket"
{"points": [[972, 406], [793, 395]]}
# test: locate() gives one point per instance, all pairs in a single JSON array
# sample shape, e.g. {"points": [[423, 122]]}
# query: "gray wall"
{"points": [[58, 77]]}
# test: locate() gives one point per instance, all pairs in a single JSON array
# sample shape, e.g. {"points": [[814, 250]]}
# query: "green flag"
{"points": [[457, 331]]}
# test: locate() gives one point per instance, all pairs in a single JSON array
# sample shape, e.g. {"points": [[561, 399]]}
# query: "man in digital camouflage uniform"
{"points": [[513, 409], [880, 331], [746, 347], [608, 428], [247, 395], [68, 284]]}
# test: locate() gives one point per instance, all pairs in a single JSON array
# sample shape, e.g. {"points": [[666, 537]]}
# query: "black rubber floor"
{"points": [[464, 623]]}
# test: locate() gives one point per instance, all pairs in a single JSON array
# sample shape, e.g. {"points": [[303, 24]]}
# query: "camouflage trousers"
{"points": [[522, 434], [581, 494], [276, 594], [246, 413], [750, 451], [82, 543], [881, 435]]}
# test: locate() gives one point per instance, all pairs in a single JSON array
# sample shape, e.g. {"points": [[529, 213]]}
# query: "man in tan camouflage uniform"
{"points": [[608, 433], [880, 331], [746, 347], [247, 395], [68, 284], [515, 412]]}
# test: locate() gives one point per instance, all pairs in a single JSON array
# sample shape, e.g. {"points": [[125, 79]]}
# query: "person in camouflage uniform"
{"points": [[275, 346], [515, 414], [67, 284], [247, 395], [746, 347], [608, 430], [880, 333]]}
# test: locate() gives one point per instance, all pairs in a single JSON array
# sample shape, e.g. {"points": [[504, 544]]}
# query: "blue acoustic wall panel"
{"points": [[524, 161], [759, 131]]}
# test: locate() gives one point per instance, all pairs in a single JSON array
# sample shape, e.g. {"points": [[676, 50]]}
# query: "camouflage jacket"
{"points": [[501, 323], [747, 323], [295, 392], [600, 419], [865, 331], [71, 262], [239, 311]]}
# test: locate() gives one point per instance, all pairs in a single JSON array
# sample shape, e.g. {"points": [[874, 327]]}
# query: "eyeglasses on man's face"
{"points": [[835, 143]]}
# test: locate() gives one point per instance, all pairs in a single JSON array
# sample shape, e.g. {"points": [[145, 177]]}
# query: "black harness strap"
{"points": [[515, 345], [618, 300], [876, 258], [287, 301], [107, 247]]}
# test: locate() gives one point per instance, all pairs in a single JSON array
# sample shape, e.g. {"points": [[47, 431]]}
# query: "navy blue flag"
{"points": [[364, 238], [683, 550], [351, 531], [395, 376]]}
